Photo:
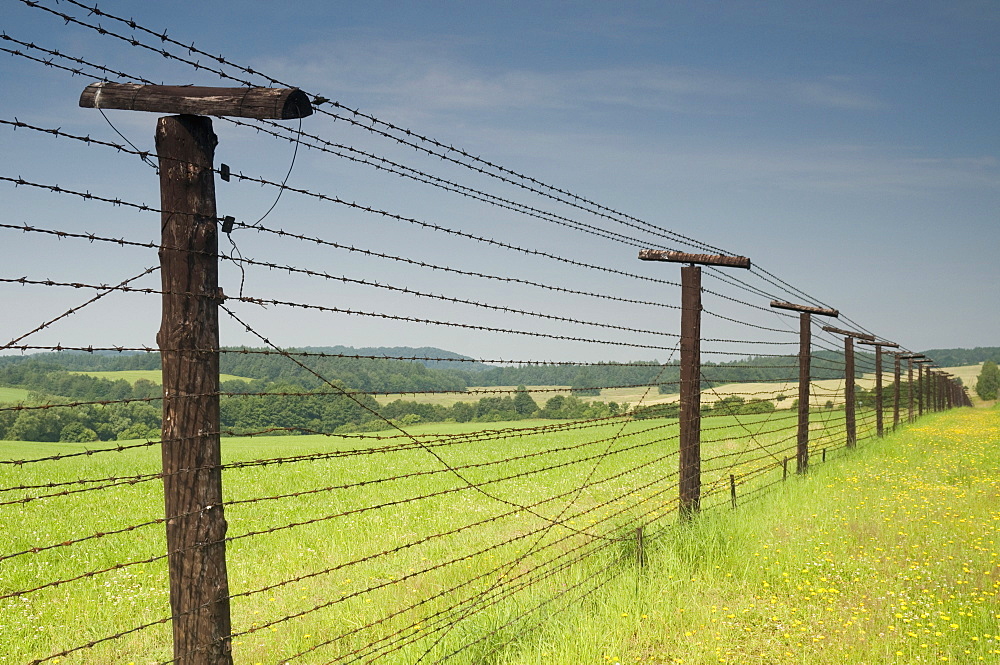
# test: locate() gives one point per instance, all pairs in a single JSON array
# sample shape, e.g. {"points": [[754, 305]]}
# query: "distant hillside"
{"points": [[960, 357], [447, 361], [111, 361]]}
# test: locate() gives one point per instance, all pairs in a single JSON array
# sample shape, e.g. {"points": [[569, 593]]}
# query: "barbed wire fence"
{"points": [[372, 537]]}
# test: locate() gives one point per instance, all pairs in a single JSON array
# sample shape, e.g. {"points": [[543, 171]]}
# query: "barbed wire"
{"points": [[164, 39], [104, 290], [394, 317], [257, 227], [133, 42], [144, 156], [528, 556]]}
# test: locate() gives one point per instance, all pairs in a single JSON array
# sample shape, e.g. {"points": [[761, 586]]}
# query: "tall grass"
{"points": [[892, 555]]}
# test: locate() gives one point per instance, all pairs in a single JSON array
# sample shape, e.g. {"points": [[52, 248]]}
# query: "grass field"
{"points": [[8, 395], [152, 375], [823, 390], [385, 552], [892, 555]]}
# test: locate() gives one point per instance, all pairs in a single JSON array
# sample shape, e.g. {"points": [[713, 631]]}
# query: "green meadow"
{"points": [[516, 545], [10, 395], [151, 375], [783, 394]]}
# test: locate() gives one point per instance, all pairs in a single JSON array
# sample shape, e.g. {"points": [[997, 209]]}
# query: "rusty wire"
{"points": [[394, 317], [456, 187], [441, 150]]}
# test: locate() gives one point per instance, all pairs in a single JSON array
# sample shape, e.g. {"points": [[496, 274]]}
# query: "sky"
{"points": [[850, 149]]}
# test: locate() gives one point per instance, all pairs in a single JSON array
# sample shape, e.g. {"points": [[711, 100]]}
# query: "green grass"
{"points": [[889, 556], [152, 375], [409, 555], [8, 395]]}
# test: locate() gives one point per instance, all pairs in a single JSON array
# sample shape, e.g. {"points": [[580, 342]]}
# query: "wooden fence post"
{"points": [[690, 414], [895, 395], [923, 384], [188, 340], [689, 459], [879, 402], [805, 359], [879, 419], [909, 385], [849, 399], [932, 386], [920, 389]]}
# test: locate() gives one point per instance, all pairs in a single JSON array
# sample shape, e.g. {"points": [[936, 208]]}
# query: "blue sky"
{"points": [[849, 148]]}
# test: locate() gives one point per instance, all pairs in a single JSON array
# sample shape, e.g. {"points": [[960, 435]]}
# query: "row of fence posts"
{"points": [[941, 392], [188, 341]]}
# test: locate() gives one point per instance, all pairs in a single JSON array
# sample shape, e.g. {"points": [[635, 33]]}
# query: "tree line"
{"points": [[282, 397], [440, 372]]}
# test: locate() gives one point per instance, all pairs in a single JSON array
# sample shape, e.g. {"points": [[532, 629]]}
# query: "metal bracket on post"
{"points": [[690, 414]]}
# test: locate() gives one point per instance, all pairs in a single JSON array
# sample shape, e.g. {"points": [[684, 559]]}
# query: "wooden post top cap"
{"points": [[260, 103]]}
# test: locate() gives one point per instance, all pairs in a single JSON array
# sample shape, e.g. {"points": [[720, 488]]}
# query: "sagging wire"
{"points": [[227, 227]]}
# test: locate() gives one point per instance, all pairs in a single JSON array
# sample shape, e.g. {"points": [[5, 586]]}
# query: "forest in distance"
{"points": [[275, 395]]}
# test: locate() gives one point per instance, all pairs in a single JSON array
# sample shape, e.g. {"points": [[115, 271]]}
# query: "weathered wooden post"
{"points": [[690, 413], [805, 358], [934, 402], [849, 403], [950, 393], [923, 385], [909, 358], [920, 388], [932, 387], [929, 387], [879, 420], [895, 396], [189, 341]]}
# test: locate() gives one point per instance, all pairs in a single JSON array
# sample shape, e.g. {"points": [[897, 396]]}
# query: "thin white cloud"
{"points": [[425, 77], [833, 93]]}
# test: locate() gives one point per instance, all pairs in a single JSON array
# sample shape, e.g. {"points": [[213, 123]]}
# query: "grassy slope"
{"points": [[888, 557], [12, 394]]}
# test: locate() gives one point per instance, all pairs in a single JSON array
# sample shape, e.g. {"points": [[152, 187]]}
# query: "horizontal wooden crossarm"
{"points": [[878, 343], [260, 103], [849, 333], [699, 259], [823, 311]]}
